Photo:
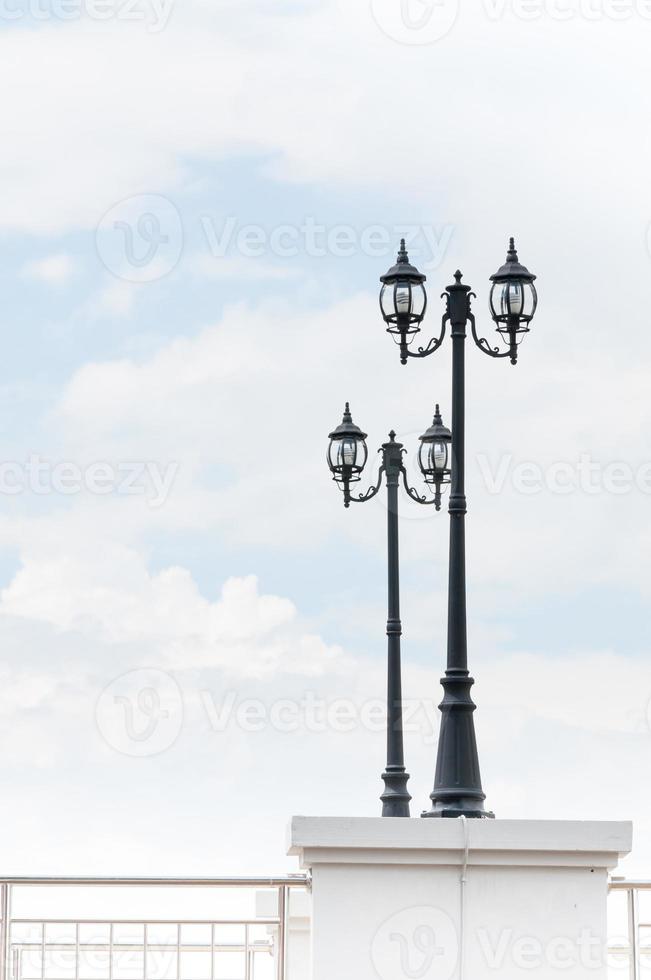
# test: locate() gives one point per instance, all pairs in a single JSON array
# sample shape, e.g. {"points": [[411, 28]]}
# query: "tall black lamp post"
{"points": [[347, 455], [403, 300]]}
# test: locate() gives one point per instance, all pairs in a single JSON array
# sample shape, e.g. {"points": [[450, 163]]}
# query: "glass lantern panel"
{"points": [[529, 299], [418, 300], [512, 299], [386, 300], [431, 467], [440, 456], [333, 453], [348, 452], [494, 299], [403, 298]]}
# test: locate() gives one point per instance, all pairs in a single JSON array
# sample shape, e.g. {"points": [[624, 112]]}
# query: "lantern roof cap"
{"points": [[403, 269], [347, 427], [437, 432], [513, 268]]}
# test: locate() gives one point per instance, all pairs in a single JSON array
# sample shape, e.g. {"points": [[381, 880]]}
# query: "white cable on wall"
{"points": [[462, 895]]}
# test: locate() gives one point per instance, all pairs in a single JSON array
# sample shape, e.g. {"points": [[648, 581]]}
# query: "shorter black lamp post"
{"points": [[347, 456]]}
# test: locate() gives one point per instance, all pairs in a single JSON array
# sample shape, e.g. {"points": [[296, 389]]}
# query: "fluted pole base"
{"points": [[457, 787], [396, 798]]}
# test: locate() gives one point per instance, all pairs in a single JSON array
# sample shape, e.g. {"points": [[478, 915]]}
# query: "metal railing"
{"points": [[262, 946], [124, 942], [635, 949]]}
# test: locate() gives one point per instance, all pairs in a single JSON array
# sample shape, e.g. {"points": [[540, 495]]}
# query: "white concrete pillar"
{"points": [[458, 900]]}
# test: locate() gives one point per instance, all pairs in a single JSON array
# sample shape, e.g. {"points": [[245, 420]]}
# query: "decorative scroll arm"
{"points": [[415, 495], [363, 497], [434, 343], [482, 343]]}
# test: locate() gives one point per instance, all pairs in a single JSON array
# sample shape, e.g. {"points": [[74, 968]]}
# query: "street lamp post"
{"points": [[403, 301], [347, 455]]}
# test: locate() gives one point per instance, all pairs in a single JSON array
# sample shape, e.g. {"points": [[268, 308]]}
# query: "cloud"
{"points": [[307, 93], [215, 267], [115, 299], [546, 750], [53, 270], [322, 124], [240, 377], [119, 601]]}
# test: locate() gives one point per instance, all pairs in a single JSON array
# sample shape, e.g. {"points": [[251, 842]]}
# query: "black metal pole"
{"points": [[457, 785], [395, 799]]}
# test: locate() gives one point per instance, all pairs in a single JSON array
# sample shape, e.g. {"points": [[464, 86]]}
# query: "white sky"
{"points": [[178, 342]]}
